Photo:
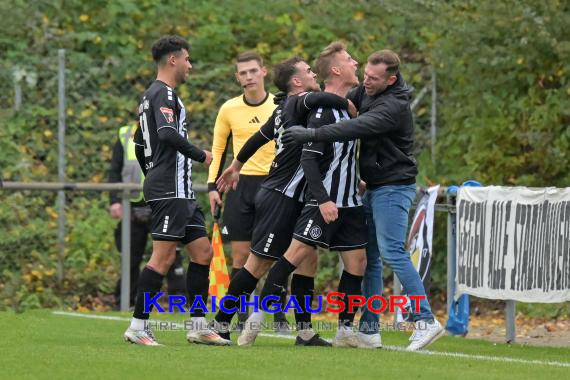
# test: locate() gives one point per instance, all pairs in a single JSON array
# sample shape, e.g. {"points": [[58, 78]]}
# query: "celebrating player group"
{"points": [[332, 168]]}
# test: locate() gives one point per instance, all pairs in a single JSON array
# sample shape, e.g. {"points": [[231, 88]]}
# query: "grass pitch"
{"points": [[43, 344]]}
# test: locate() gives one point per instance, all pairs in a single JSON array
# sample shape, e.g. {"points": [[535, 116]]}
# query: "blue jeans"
{"points": [[386, 211]]}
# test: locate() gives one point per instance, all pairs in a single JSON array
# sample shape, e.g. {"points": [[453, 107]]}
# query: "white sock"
{"points": [[138, 324], [256, 317], [344, 331], [306, 334], [199, 323]]}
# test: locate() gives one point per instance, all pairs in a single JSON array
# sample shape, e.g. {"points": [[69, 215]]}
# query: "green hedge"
{"points": [[503, 92]]}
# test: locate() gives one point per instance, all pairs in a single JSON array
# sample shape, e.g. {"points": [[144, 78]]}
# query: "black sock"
{"points": [[197, 283], [350, 285], [149, 282], [302, 286], [276, 281], [241, 316], [242, 284], [280, 316]]}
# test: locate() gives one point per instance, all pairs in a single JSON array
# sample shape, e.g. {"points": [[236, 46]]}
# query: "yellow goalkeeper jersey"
{"points": [[239, 120]]}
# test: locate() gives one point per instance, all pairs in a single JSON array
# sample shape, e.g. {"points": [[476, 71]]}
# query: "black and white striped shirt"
{"points": [[169, 172], [336, 162], [286, 174]]}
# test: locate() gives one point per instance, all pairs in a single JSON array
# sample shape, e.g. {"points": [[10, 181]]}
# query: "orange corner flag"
{"points": [[219, 278]]}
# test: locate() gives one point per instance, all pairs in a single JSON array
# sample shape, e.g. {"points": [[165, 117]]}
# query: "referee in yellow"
{"points": [[238, 119]]}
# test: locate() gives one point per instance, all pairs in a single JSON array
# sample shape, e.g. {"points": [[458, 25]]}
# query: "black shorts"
{"points": [[239, 208], [274, 223], [177, 219], [346, 233]]}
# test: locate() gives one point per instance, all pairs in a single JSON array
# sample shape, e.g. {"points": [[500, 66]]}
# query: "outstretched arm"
{"points": [[370, 124], [164, 107], [326, 100], [230, 177], [171, 137]]}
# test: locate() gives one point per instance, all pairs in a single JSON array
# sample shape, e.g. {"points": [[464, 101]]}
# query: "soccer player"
{"points": [[385, 128], [238, 119], [333, 216], [125, 168], [280, 199], [166, 159]]}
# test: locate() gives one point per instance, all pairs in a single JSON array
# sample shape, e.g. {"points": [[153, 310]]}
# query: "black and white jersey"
{"points": [[286, 174], [169, 173], [336, 161]]}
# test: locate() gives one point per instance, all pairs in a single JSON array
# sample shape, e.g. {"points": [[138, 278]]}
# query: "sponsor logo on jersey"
{"points": [[168, 114]]}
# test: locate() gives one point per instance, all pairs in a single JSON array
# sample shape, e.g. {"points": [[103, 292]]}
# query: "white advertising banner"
{"points": [[514, 243]]}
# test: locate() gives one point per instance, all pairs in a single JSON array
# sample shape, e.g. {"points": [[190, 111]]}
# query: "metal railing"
{"points": [[125, 189]]}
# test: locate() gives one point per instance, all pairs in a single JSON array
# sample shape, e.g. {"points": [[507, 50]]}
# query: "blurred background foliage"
{"points": [[502, 99]]}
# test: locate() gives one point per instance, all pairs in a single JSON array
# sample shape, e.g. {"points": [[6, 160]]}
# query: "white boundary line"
{"points": [[391, 348]]}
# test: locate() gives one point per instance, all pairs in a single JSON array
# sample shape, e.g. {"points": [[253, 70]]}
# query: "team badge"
{"points": [[168, 114], [315, 232]]}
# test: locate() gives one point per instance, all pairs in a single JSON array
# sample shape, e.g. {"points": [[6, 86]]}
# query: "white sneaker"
{"points": [[420, 325], [347, 340], [207, 336], [248, 334], [142, 337], [369, 340], [424, 337]]}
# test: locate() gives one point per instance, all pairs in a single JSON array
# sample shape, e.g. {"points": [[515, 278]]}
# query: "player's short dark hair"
{"points": [[284, 71], [249, 56], [166, 45], [325, 59], [387, 57]]}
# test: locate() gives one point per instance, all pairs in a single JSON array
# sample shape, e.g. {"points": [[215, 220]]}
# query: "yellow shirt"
{"points": [[240, 120]]}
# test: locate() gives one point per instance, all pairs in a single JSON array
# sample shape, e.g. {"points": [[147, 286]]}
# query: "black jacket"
{"points": [[385, 129], [116, 173]]}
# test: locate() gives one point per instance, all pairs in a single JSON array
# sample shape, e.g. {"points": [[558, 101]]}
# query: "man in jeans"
{"points": [[385, 128]]}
